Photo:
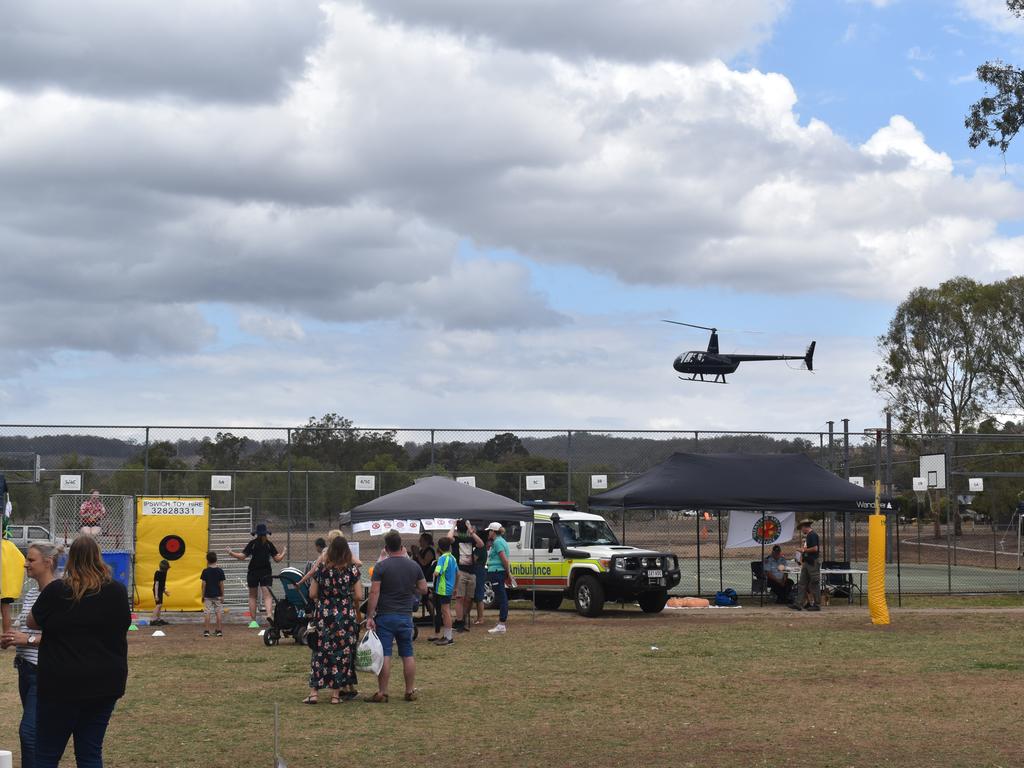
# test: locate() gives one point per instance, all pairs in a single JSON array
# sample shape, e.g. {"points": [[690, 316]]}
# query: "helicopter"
{"points": [[713, 363]]}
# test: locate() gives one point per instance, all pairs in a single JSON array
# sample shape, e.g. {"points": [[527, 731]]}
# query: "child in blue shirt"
{"points": [[444, 588]]}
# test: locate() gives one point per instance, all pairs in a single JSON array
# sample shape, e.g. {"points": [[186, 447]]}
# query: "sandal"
{"points": [[377, 698], [336, 698], [412, 695], [309, 699], [349, 695]]}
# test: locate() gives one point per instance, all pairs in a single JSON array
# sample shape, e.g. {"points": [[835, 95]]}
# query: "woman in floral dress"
{"points": [[337, 590]]}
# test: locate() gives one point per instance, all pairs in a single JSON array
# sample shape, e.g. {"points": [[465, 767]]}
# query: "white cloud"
{"points": [[579, 375], [238, 51], [679, 30], [271, 327], [344, 196], [994, 14]]}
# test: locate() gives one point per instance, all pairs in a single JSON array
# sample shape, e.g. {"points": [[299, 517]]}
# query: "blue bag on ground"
{"points": [[726, 597]]}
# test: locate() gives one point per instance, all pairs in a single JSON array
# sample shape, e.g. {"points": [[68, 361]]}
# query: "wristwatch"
{"points": [[31, 639]]}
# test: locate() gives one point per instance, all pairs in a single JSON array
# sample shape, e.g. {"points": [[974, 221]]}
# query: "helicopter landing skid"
{"points": [[719, 378]]}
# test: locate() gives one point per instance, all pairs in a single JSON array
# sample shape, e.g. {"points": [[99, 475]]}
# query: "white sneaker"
{"points": [[498, 630]]}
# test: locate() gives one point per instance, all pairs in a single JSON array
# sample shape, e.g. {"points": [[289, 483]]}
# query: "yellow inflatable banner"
{"points": [[175, 529], [12, 570]]}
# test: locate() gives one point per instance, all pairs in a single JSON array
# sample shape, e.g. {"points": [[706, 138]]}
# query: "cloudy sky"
{"points": [[474, 214]]}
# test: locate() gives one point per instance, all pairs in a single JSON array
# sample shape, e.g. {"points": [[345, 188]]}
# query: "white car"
{"points": [[23, 535]]}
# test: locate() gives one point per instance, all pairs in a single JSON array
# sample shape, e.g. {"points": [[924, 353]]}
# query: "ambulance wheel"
{"points": [[549, 601], [652, 602], [588, 596]]}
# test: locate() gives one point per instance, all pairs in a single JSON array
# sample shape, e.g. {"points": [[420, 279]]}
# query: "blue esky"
{"points": [[446, 214]]}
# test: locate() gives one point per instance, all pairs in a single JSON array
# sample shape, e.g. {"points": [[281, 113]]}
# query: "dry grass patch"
{"points": [[723, 688]]}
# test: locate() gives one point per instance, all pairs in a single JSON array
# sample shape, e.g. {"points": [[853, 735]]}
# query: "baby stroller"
{"points": [[290, 614]]}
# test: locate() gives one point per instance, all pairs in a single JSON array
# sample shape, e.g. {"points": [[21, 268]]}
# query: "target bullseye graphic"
{"points": [[172, 547]]}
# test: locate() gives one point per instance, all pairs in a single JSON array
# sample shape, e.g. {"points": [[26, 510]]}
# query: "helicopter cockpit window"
{"points": [[691, 357]]}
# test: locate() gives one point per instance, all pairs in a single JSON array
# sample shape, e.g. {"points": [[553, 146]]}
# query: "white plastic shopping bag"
{"points": [[370, 653]]}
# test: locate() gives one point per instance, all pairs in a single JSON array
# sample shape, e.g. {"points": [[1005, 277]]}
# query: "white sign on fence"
{"points": [[858, 481], [71, 482], [220, 483], [366, 482], [466, 481], [599, 481], [976, 484], [535, 482], [920, 484]]}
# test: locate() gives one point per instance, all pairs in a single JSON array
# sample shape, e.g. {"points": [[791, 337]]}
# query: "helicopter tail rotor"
{"points": [[809, 357]]}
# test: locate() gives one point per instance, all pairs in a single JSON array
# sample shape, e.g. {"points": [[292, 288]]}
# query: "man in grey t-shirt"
{"points": [[396, 582]]}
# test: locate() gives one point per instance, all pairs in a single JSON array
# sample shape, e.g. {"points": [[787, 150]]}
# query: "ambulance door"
{"points": [[550, 565]]}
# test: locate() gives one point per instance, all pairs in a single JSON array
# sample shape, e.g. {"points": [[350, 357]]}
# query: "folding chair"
{"points": [[838, 584], [758, 584]]}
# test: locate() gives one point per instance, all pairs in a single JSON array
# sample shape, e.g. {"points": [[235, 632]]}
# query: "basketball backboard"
{"points": [[933, 470]]}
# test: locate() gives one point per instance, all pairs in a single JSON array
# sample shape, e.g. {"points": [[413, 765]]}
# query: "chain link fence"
{"points": [[943, 539]]}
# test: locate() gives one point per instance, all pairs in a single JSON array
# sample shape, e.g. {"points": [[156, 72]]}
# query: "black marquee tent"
{"points": [[442, 497], [724, 481]]}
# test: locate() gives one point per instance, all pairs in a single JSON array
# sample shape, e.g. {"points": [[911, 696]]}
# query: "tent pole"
{"points": [[721, 577], [764, 577], [696, 521]]}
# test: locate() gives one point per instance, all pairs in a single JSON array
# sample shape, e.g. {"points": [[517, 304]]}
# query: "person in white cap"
{"points": [[497, 572]]}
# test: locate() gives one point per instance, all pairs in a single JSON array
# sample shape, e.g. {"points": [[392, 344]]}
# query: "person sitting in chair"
{"points": [[775, 577]]}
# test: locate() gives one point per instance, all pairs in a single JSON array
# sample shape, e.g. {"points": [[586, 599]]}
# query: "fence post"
{"points": [[846, 474], [288, 500], [145, 471], [899, 564], [949, 516], [888, 486], [431, 450], [568, 464]]}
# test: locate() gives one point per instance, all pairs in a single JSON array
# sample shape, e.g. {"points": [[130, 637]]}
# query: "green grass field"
{"points": [[725, 687]]}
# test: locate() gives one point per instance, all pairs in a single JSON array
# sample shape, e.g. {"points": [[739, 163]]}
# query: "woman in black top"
{"points": [[83, 656], [261, 550]]}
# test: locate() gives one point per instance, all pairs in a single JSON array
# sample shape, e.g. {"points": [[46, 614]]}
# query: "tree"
{"points": [[501, 446], [334, 442], [996, 118], [936, 353], [1005, 317], [223, 452]]}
